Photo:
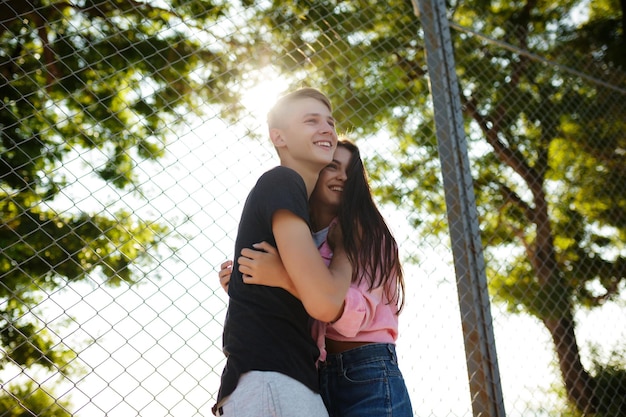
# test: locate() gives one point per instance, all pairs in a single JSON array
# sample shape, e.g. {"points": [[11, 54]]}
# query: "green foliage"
{"points": [[610, 387], [610, 376], [40, 247], [28, 400], [546, 145], [611, 390], [552, 136], [110, 78], [106, 80], [112, 72], [369, 57]]}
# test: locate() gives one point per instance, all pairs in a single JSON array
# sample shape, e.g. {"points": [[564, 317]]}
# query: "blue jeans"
{"points": [[365, 382]]}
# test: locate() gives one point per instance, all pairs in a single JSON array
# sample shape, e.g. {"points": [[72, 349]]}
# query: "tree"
{"points": [[28, 400], [547, 143], [113, 77], [107, 80]]}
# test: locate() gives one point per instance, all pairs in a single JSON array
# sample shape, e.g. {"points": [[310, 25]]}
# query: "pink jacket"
{"points": [[368, 316]]}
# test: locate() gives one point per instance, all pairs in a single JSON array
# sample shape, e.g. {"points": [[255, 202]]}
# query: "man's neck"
{"points": [[309, 174]]}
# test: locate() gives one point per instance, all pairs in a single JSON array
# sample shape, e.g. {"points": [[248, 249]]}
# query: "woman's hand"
{"points": [[335, 235], [226, 269], [263, 266]]}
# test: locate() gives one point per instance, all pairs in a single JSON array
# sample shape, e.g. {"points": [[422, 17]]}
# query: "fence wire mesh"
{"points": [[132, 131]]}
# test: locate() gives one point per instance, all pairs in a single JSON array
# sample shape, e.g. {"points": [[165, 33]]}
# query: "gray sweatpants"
{"points": [[271, 394]]}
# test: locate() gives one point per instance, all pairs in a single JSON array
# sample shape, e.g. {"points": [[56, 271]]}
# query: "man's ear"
{"points": [[277, 138]]}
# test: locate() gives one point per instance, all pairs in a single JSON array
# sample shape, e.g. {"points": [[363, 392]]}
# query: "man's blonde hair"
{"points": [[278, 110]]}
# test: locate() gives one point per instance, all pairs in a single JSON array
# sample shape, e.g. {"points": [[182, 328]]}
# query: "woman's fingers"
{"points": [[250, 253], [225, 273], [254, 263], [266, 247]]}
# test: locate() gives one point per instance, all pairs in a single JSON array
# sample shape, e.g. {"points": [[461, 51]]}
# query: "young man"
{"points": [[271, 355]]}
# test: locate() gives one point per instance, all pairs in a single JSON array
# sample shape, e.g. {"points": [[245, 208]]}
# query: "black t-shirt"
{"points": [[266, 328]]}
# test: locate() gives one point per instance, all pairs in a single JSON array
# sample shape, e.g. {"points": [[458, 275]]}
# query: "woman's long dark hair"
{"points": [[368, 242]]}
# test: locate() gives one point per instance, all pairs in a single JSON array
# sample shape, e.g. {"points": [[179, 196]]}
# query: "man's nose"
{"points": [[328, 128]]}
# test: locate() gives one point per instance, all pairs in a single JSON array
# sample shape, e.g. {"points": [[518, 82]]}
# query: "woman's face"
{"points": [[329, 186]]}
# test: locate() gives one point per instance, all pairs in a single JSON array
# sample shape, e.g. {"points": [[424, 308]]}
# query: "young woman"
{"points": [[359, 373]]}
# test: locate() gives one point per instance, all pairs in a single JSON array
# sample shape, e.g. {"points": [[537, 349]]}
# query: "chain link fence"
{"points": [[132, 132]]}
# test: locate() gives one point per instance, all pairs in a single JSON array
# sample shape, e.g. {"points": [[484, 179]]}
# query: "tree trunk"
{"points": [[557, 313], [579, 385]]}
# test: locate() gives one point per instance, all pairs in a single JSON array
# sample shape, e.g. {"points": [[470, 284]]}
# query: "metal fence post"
{"points": [[480, 349]]}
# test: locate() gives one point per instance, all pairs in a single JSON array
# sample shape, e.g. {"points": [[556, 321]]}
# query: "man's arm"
{"points": [[322, 290]]}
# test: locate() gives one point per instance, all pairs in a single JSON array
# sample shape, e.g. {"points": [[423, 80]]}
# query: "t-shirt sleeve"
{"points": [[282, 189]]}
